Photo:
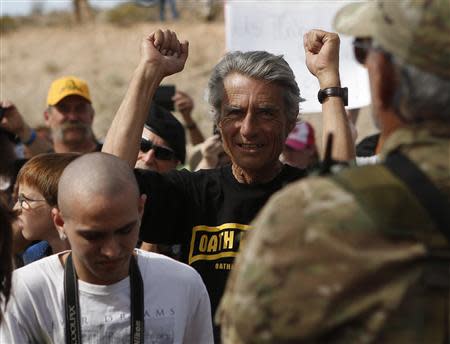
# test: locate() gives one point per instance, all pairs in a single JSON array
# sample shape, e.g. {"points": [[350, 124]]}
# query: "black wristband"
{"points": [[333, 92]]}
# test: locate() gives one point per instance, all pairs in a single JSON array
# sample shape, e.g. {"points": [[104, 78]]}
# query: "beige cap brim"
{"points": [[355, 19]]}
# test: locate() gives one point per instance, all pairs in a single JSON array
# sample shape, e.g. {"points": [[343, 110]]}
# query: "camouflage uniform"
{"points": [[328, 264], [322, 269]]}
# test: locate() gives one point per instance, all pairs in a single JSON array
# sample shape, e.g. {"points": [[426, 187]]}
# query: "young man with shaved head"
{"points": [[104, 288]]}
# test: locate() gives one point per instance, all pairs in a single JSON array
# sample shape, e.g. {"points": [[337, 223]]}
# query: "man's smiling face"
{"points": [[253, 122]]}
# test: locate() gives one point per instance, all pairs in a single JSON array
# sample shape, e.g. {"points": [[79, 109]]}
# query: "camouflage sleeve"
{"points": [[312, 263]]}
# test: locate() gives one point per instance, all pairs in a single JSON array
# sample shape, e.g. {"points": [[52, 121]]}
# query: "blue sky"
{"points": [[23, 7]]}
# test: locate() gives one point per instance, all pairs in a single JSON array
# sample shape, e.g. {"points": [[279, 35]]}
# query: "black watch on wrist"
{"points": [[333, 92]]}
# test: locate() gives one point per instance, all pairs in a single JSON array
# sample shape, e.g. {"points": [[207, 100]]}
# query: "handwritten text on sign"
{"points": [[278, 27]]}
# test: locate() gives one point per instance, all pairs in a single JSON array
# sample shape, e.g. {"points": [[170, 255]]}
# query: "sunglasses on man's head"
{"points": [[161, 153], [361, 47]]}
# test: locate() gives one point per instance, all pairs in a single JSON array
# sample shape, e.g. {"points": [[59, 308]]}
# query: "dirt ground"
{"points": [[105, 56]]}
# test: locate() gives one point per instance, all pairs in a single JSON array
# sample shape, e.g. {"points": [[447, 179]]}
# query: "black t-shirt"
{"points": [[207, 212]]}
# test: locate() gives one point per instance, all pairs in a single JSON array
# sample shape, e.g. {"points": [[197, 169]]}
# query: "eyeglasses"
{"points": [[161, 153], [24, 201], [361, 47]]}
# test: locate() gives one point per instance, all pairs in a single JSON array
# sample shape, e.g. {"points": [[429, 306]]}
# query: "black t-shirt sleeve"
{"points": [[166, 214]]}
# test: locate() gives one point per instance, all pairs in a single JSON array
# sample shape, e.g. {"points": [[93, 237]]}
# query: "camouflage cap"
{"points": [[417, 32]]}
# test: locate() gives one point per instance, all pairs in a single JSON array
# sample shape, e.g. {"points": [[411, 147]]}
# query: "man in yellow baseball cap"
{"points": [[69, 115]]}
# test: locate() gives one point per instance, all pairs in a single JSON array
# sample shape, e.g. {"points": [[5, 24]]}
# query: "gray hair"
{"points": [[259, 65], [420, 96]]}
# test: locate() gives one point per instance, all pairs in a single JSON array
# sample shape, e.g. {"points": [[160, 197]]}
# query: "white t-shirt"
{"points": [[367, 160], [177, 306]]}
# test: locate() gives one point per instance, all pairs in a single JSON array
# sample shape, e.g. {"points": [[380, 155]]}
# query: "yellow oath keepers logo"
{"points": [[211, 243]]}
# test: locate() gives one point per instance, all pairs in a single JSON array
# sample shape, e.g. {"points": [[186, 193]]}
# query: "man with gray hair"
{"points": [[256, 102], [105, 290], [362, 256]]}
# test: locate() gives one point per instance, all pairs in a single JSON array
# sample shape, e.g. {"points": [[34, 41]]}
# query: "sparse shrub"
{"points": [[7, 24], [128, 14], [51, 67], [57, 19]]}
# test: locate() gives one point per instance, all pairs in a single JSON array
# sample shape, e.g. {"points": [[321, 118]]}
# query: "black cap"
{"points": [[161, 122]]}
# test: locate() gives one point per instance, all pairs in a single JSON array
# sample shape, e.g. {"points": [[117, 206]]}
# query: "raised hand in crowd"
{"points": [[184, 105], [322, 60], [163, 49], [322, 56], [13, 122], [162, 54], [212, 153]]}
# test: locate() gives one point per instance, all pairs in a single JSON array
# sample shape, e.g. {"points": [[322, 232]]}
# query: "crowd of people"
{"points": [[256, 238]]}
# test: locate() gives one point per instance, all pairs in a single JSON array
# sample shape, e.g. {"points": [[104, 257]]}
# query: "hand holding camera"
{"points": [[12, 121]]}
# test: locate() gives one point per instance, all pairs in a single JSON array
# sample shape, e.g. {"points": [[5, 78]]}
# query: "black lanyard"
{"points": [[72, 304]]}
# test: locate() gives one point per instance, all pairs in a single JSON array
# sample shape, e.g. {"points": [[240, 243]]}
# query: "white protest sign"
{"points": [[278, 27]]}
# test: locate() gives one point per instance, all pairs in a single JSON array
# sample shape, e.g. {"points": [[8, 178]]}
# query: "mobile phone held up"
{"points": [[163, 97]]}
